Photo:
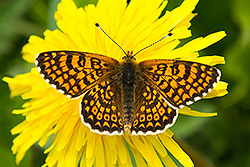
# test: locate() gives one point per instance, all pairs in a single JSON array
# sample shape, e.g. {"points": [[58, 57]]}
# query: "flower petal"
{"points": [[175, 150], [188, 111], [219, 90], [210, 60], [196, 45]]}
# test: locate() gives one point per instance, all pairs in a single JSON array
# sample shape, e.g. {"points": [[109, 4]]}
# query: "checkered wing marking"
{"points": [[71, 72], [101, 108], [152, 114], [180, 82]]}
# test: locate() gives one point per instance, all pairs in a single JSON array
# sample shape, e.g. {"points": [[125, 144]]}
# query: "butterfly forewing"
{"points": [[72, 72], [152, 113], [180, 82]]}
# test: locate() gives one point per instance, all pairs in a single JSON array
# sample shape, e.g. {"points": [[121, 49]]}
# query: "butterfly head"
{"points": [[129, 56]]}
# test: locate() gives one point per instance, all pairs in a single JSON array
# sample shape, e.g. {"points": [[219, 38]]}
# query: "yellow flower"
{"points": [[49, 113]]}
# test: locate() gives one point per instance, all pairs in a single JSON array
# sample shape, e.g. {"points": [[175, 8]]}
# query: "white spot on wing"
{"points": [[204, 94], [36, 62], [189, 102], [69, 96], [61, 91], [214, 84], [181, 106], [47, 80], [219, 75], [37, 56], [197, 98], [209, 90], [39, 69], [219, 72], [53, 86]]}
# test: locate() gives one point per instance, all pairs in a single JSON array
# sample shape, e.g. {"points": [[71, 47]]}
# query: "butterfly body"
{"points": [[116, 97], [128, 81]]}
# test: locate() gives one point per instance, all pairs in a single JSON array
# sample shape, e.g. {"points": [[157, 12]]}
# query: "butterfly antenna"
{"points": [[168, 35], [97, 25]]}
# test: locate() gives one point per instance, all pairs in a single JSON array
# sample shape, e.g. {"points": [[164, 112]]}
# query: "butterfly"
{"points": [[126, 97]]}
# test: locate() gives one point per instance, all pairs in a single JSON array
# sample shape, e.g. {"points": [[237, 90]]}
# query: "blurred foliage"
{"points": [[222, 140]]}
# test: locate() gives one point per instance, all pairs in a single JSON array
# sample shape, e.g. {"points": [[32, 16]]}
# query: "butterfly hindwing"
{"points": [[72, 72], [100, 108], [180, 82], [152, 113]]}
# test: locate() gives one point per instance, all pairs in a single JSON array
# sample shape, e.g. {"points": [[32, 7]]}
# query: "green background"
{"points": [[222, 141]]}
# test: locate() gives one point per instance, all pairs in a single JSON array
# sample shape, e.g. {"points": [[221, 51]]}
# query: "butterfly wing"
{"points": [[152, 113], [72, 72], [75, 73], [180, 82], [101, 108]]}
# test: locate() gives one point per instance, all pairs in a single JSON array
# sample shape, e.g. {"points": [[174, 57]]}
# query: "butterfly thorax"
{"points": [[128, 81]]}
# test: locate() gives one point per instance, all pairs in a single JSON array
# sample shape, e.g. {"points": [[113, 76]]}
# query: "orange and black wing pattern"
{"points": [[180, 82], [72, 72], [152, 113], [101, 108]]}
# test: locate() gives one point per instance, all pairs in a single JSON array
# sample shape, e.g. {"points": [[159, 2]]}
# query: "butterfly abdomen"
{"points": [[128, 83]]}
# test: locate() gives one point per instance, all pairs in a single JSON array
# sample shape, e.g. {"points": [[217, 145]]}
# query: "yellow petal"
{"points": [[180, 13], [188, 111], [176, 151], [146, 150], [197, 45], [219, 90], [157, 145], [123, 154], [99, 153], [210, 60]]}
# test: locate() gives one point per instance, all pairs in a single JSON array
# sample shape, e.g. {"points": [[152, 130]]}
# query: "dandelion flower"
{"points": [[48, 113]]}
